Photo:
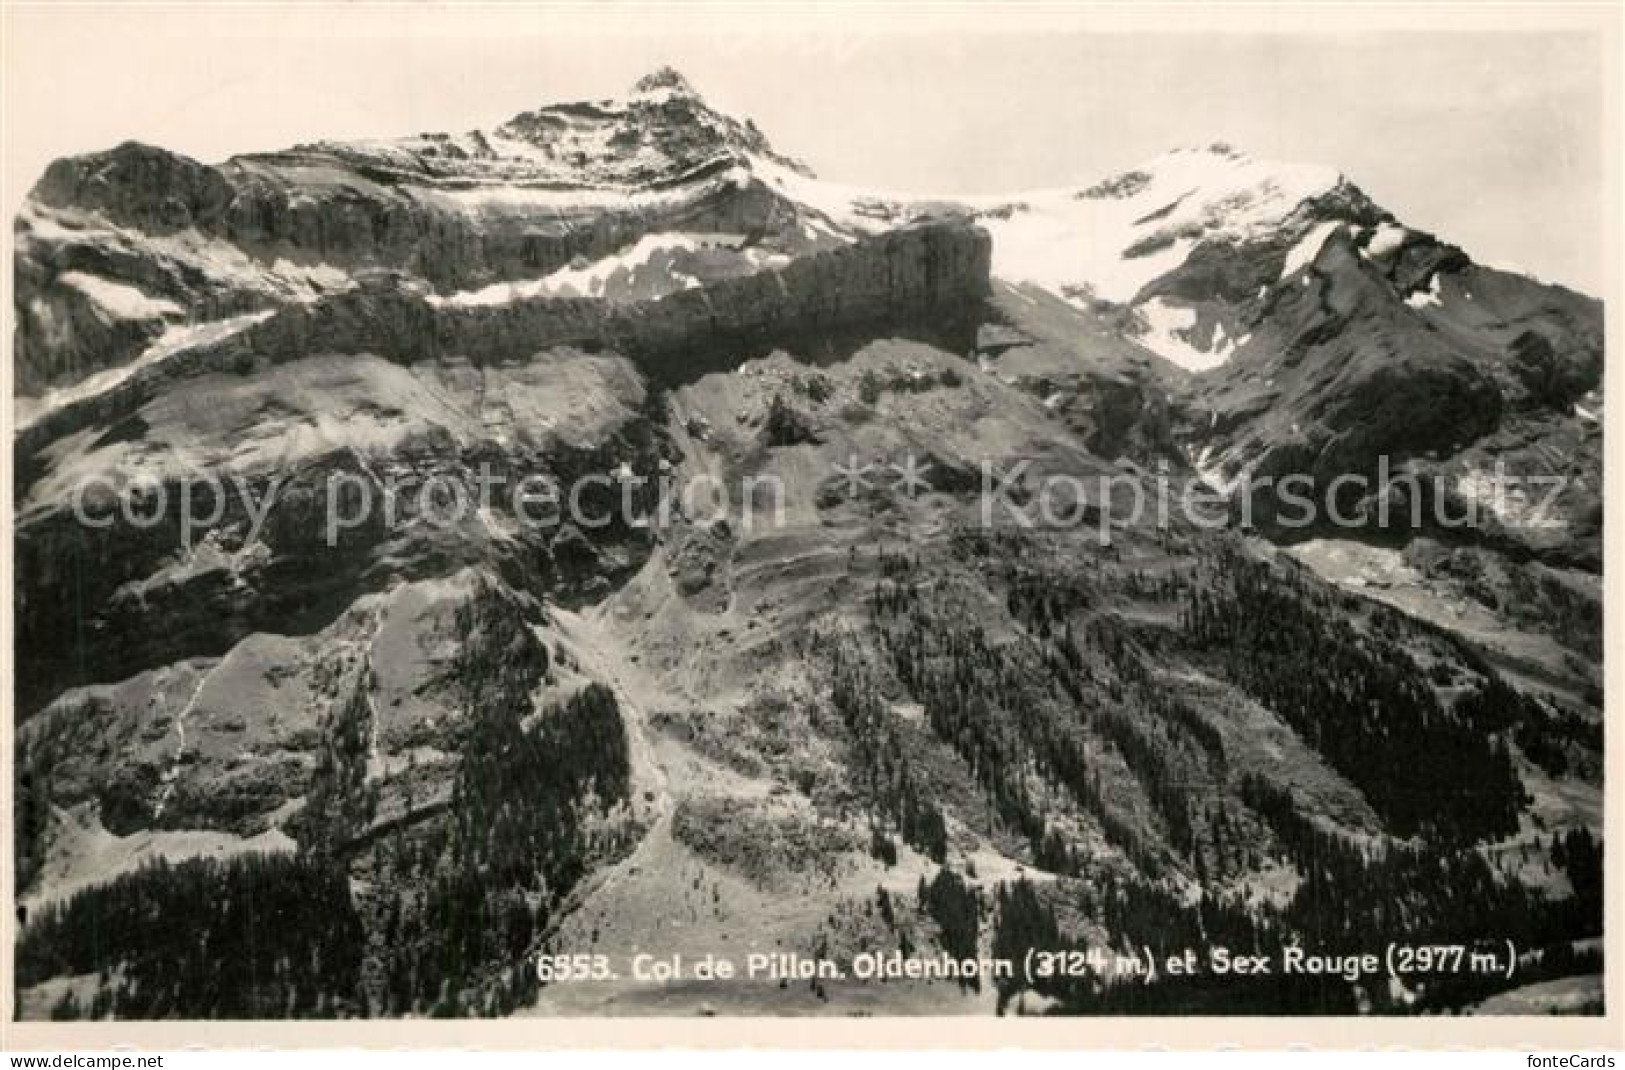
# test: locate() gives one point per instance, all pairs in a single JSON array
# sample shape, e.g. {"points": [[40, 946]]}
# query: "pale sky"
{"points": [[1496, 141]]}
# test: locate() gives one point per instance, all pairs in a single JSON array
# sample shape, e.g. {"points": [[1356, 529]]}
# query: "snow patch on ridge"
{"points": [[118, 300], [177, 337], [1167, 334], [1309, 246], [1428, 298], [572, 199], [648, 263], [1385, 239]]}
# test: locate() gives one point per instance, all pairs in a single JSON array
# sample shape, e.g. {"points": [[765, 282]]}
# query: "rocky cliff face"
{"points": [[290, 247], [926, 279]]}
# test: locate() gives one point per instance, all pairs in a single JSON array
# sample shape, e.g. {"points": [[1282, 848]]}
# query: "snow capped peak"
{"points": [[1109, 240], [1114, 237], [666, 81]]}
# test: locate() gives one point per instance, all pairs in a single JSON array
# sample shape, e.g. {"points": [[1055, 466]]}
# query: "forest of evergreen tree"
{"points": [[1033, 710], [450, 909]]}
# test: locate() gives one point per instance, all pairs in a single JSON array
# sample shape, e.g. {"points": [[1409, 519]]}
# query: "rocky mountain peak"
{"points": [[664, 80], [661, 131]]}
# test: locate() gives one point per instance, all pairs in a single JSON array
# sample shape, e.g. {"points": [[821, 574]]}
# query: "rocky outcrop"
{"points": [[139, 186], [269, 556]]}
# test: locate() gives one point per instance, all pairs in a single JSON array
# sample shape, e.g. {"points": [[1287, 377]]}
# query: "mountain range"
{"points": [[875, 713]]}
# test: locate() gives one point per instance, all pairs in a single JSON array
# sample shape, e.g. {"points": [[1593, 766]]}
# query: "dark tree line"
{"points": [[1439, 774], [883, 766], [1046, 706], [957, 909], [1140, 915], [1352, 888], [253, 936], [450, 907], [461, 901], [1363, 705]]}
